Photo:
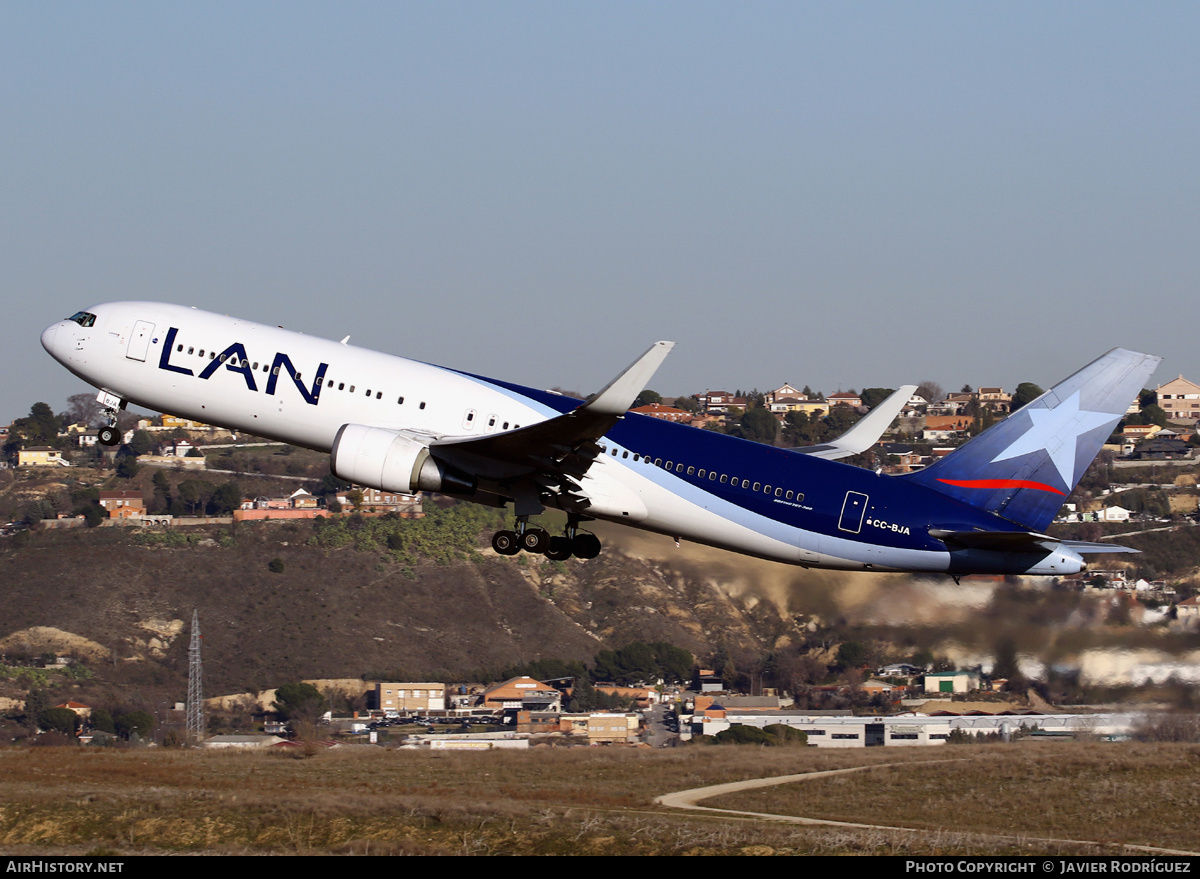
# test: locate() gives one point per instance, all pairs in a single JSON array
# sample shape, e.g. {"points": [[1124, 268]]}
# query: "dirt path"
{"points": [[690, 799]]}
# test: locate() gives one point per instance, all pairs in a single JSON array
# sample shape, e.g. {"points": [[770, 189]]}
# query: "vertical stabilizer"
{"points": [[1024, 467]]}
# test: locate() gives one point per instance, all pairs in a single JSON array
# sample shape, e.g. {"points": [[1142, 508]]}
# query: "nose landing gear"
{"points": [[109, 435]]}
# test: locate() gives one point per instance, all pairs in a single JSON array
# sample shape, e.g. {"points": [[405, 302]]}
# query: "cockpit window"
{"points": [[83, 318]]}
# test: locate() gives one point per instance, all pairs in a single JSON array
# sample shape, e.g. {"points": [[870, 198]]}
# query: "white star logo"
{"points": [[1056, 431]]}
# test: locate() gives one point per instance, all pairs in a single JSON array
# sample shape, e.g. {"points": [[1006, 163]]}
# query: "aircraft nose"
{"points": [[49, 335]]}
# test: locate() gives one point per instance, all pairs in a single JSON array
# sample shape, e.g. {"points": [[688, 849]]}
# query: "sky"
{"points": [[840, 194]]}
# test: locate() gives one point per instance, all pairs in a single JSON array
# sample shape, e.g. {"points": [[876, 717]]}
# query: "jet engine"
{"points": [[392, 461]]}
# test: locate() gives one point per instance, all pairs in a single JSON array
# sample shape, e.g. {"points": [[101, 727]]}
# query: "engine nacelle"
{"points": [[391, 461]]}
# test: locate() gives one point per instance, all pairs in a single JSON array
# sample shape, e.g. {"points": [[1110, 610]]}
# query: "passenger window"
{"points": [[723, 478], [799, 496], [201, 352], [178, 347], [625, 454], [670, 465], [341, 386], [658, 462], [422, 406], [712, 474], [379, 395], [701, 473], [191, 350], [766, 489], [789, 494], [352, 389], [745, 483], [778, 492], [691, 470], [400, 401], [678, 468], [757, 485], [275, 370]]}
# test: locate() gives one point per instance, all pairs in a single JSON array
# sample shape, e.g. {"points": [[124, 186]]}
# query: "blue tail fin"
{"points": [[1024, 467]]}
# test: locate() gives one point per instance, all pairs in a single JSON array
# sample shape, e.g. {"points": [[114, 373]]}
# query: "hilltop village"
{"points": [[1159, 428]]}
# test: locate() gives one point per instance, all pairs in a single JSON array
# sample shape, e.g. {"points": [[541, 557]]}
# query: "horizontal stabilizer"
{"points": [[866, 431], [1019, 541], [1083, 547]]}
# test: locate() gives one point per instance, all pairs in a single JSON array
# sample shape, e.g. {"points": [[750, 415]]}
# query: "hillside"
{"points": [[428, 599], [345, 611]]}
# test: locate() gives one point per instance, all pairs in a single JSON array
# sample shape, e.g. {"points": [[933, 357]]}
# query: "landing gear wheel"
{"points": [[535, 540], [586, 546], [108, 436], [559, 549], [506, 543]]}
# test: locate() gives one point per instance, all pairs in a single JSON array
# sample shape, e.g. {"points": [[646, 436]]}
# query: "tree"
{"points": [[756, 424], [1026, 392], [930, 391], [83, 408], [872, 397], [127, 466], [135, 723], [299, 701], [142, 442], [36, 701], [1154, 414], [646, 398], [101, 719], [196, 493], [226, 498], [64, 720]]}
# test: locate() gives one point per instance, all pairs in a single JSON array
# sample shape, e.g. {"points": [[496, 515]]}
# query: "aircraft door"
{"points": [[854, 508], [139, 340]]}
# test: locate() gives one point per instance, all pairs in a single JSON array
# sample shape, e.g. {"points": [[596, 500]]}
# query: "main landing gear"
{"points": [[573, 542]]}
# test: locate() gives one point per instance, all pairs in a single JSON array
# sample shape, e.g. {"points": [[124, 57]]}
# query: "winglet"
{"points": [[618, 395], [866, 431]]}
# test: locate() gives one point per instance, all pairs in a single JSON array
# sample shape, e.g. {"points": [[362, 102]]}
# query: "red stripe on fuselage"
{"points": [[1001, 483]]}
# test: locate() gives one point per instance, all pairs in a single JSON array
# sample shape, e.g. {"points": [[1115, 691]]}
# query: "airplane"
{"points": [[406, 426]]}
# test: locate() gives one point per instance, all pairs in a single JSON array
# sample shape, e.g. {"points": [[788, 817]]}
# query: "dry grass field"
{"points": [[988, 800]]}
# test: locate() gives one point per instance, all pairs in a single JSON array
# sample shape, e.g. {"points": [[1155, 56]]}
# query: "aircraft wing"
{"points": [[560, 449], [866, 431]]}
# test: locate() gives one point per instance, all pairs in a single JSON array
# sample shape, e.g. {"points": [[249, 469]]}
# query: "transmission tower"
{"points": [[195, 699]]}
